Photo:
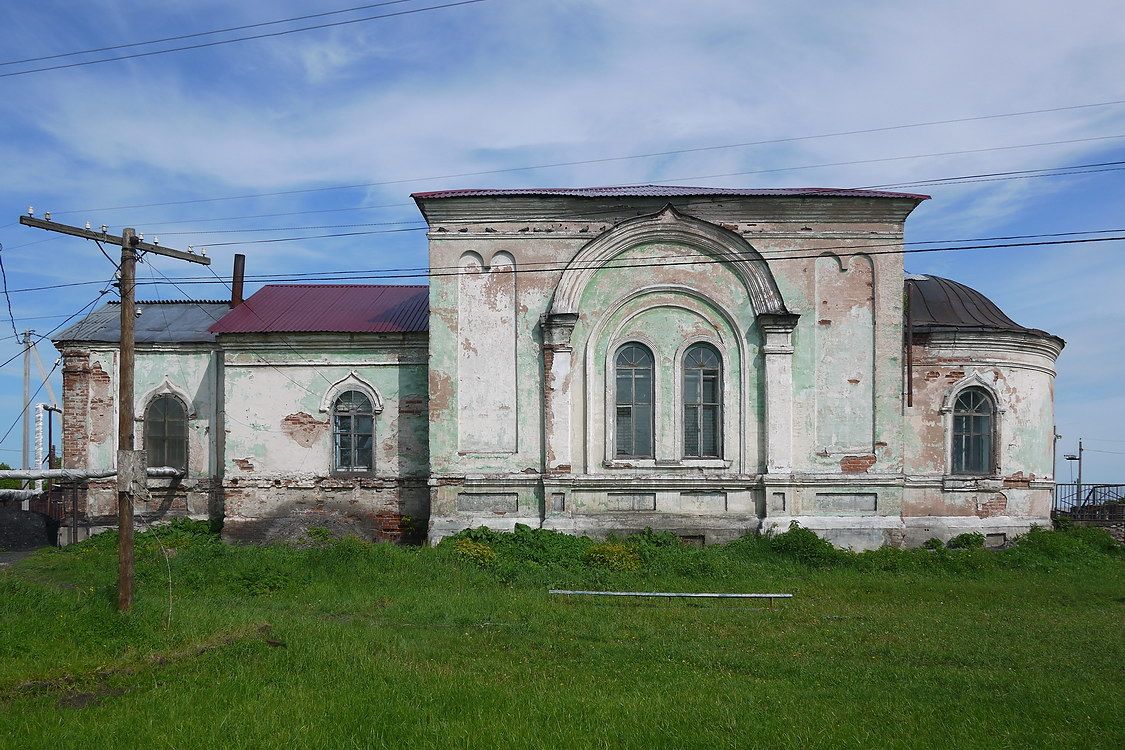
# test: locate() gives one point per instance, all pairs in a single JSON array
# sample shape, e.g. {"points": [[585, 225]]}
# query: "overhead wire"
{"points": [[602, 160], [220, 42], [267, 325], [226, 415], [1041, 172], [996, 176], [7, 297], [363, 207], [202, 33], [429, 272], [27, 405], [336, 275]]}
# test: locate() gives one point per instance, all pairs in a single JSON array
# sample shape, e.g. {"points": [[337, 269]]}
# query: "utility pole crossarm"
{"points": [[131, 470], [89, 234]]}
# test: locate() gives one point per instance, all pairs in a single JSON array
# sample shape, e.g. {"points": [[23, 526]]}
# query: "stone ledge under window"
{"points": [[967, 483], [685, 463]]}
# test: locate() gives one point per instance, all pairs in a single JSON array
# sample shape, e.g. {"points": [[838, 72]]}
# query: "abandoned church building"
{"points": [[711, 362]]}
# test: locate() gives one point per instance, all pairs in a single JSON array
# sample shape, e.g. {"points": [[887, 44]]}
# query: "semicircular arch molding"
{"points": [[670, 226], [611, 330], [351, 382]]}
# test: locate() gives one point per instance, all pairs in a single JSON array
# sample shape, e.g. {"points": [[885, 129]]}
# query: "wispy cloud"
{"points": [[504, 84]]}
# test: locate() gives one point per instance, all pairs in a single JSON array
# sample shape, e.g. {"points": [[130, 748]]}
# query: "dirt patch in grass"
{"points": [[86, 688]]}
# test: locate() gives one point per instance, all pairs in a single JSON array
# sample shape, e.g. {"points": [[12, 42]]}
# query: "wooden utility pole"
{"points": [[131, 463], [127, 477]]}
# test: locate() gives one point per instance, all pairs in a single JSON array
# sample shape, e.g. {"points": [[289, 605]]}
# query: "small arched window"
{"points": [[634, 402], [353, 432], [703, 402], [166, 432], [974, 421]]}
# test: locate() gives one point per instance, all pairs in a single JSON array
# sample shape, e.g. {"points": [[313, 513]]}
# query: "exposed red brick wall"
{"points": [[856, 464], [76, 397], [997, 505]]}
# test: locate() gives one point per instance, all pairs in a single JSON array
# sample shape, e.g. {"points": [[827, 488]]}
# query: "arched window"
{"points": [[353, 432], [166, 432], [973, 425], [703, 402], [634, 365]]}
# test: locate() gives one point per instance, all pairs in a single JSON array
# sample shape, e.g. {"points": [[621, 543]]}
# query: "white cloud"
{"points": [[505, 84]]}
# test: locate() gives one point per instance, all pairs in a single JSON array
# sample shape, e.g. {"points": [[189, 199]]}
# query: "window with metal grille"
{"points": [[353, 432], [166, 432], [703, 402], [634, 403], [973, 425]]}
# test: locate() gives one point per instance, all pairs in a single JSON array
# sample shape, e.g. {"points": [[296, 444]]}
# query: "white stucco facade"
{"points": [[834, 406]]}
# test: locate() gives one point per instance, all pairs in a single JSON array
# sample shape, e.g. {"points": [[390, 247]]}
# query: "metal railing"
{"points": [[1071, 498]]}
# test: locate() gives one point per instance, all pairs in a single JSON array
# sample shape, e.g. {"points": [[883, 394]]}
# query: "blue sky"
{"points": [[510, 83]]}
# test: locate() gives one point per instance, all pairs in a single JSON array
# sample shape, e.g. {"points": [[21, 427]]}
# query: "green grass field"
{"points": [[348, 644]]}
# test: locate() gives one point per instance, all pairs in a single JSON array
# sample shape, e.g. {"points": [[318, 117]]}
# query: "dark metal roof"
{"points": [[667, 191], [176, 321], [937, 303], [330, 308]]}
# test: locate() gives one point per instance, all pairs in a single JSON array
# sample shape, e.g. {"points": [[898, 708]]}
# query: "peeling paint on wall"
{"points": [[303, 428], [486, 366], [845, 353]]}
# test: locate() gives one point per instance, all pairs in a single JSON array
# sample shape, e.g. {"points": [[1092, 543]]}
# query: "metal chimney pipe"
{"points": [[237, 280]]}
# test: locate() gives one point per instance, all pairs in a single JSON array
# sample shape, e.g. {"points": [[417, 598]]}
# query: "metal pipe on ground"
{"points": [[670, 594]]}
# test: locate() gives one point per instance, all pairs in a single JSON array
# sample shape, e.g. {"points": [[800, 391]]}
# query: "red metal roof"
{"points": [[330, 308], [668, 191]]}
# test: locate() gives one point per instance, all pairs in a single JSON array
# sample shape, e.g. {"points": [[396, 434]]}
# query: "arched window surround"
{"points": [[350, 454], [724, 396], [164, 454], [658, 388], [144, 401], [975, 380], [351, 382], [668, 381]]}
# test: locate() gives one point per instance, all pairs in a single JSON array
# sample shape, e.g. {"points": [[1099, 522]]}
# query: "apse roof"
{"points": [[943, 303]]}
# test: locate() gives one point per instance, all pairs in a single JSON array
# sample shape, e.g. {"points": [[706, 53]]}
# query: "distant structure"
{"points": [[711, 362]]}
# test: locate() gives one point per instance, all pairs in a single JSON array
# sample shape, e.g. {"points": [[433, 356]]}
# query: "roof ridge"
{"points": [[355, 286]]}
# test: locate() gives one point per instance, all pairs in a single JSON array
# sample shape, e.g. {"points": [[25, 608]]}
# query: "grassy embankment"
{"points": [[347, 644]]}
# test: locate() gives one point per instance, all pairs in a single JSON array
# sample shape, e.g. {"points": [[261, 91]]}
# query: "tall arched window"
{"points": [[703, 402], [973, 425], [353, 432], [634, 413], [166, 432]]}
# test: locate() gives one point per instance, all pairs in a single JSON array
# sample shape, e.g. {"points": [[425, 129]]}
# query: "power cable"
{"points": [[429, 272], [28, 404], [208, 219], [216, 320], [1055, 172], [241, 38], [1014, 172], [338, 275], [295, 229], [201, 33], [225, 414], [70, 317], [7, 297], [379, 206], [607, 159], [885, 159]]}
